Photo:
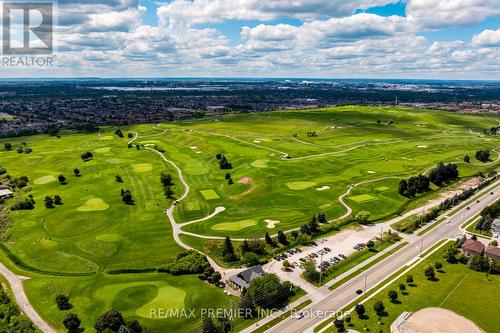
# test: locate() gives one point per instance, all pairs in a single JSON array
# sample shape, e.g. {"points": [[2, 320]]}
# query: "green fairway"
{"points": [[362, 198], [209, 194], [234, 226], [93, 230], [383, 188], [279, 178], [135, 295], [300, 185], [457, 288], [93, 204]]}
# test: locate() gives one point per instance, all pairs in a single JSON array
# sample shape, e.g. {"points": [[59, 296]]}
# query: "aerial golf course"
{"points": [[286, 167]]}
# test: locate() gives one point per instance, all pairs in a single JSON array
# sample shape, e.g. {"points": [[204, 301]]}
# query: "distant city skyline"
{"points": [[413, 39]]}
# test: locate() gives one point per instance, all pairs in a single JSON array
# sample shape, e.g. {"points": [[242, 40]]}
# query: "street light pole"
{"points": [[366, 278]]}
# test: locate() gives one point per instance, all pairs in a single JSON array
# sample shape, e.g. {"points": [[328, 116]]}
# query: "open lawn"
{"points": [[452, 290], [288, 177], [139, 296], [93, 230]]}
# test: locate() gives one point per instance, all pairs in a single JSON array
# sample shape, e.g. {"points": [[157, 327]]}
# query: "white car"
{"points": [[299, 315]]}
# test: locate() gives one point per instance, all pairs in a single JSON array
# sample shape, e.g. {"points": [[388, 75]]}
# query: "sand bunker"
{"points": [[257, 141], [370, 171], [245, 180], [198, 152], [422, 146], [271, 223], [323, 188], [193, 147], [432, 320]]}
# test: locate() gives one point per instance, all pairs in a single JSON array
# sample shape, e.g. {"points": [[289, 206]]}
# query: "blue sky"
{"points": [[254, 38]]}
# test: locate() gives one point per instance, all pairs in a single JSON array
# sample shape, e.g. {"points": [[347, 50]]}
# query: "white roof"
{"points": [[5, 192]]}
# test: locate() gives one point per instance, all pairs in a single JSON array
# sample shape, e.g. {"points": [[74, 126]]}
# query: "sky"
{"points": [[416, 39]]}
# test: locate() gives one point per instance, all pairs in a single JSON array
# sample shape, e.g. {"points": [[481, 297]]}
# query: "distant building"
{"points": [[5, 193], [242, 279], [492, 252], [473, 247]]}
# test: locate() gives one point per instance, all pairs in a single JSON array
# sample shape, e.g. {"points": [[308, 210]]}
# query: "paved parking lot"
{"points": [[338, 244]]}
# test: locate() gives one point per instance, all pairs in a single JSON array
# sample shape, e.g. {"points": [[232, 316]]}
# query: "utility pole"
{"points": [[421, 245], [321, 269]]}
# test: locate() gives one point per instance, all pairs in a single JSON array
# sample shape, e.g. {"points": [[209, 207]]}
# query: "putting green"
{"points": [[167, 297], [103, 150], [296, 186], [234, 226], [92, 205], [109, 238], [134, 297], [382, 188], [325, 206], [44, 180], [143, 167], [209, 194], [362, 198], [115, 161], [193, 205], [260, 163]]}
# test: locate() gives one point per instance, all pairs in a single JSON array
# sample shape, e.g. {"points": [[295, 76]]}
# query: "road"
{"points": [[345, 294], [16, 285]]}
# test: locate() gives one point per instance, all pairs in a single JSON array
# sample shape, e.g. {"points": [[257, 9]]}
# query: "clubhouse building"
{"points": [[242, 280]]}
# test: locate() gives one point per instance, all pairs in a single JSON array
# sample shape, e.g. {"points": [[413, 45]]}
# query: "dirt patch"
{"points": [[432, 320], [245, 180], [465, 185]]}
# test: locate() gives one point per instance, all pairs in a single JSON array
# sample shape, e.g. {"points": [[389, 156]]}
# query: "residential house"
{"points": [[473, 247]]}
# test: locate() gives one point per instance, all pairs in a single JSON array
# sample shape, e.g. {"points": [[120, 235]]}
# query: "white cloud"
{"points": [[487, 38], [432, 14], [208, 11]]}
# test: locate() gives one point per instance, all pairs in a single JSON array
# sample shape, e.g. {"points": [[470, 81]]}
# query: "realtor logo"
{"points": [[27, 27]]}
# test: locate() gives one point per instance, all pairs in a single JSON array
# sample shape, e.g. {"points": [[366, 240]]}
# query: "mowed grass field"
{"points": [[93, 230], [350, 148], [151, 298], [468, 293]]}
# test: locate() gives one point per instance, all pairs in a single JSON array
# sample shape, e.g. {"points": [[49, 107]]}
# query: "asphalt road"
{"points": [[345, 294]]}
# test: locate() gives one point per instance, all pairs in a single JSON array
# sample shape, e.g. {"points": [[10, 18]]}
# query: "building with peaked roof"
{"points": [[473, 247], [242, 280], [492, 252], [5, 193]]}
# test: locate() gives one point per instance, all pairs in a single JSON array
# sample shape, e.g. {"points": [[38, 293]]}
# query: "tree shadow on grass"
{"points": [[441, 271], [382, 314], [412, 285], [434, 279], [396, 301], [364, 317], [405, 293]]}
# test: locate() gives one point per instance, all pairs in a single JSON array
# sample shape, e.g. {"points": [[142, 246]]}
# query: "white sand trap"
{"points": [[257, 141], [271, 223], [431, 320], [406, 158], [370, 171], [422, 146], [193, 147], [198, 152], [323, 188]]}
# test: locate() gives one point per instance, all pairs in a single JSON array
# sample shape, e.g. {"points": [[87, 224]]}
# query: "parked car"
{"points": [[342, 256]]}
